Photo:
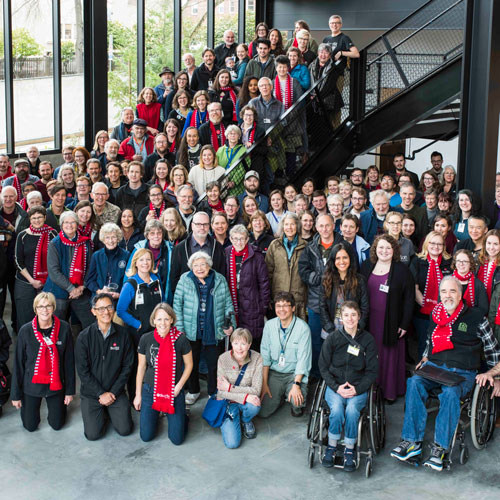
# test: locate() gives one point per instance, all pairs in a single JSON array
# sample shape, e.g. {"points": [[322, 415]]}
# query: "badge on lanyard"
{"points": [[384, 288], [281, 360], [353, 350], [461, 227], [139, 299], [48, 340], [267, 120]]}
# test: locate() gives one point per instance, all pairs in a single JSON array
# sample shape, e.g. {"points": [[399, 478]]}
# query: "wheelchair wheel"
{"points": [[310, 457], [464, 455], [316, 407], [368, 467], [483, 416], [377, 419]]}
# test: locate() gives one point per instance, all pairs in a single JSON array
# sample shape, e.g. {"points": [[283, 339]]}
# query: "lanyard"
{"points": [[234, 151], [283, 347]]}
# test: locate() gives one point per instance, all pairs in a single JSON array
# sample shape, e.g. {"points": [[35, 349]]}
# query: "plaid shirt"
{"points": [[488, 339]]}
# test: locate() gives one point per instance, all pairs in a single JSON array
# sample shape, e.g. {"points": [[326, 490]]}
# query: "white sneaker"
{"points": [[192, 398]]}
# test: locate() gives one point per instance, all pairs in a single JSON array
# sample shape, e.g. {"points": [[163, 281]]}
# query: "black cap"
{"points": [[140, 122], [164, 70]]}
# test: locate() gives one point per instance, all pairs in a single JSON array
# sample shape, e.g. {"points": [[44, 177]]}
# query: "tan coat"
{"points": [[284, 275]]}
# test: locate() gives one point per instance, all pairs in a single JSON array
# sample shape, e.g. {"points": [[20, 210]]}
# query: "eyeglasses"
{"points": [[100, 310], [462, 262], [394, 223], [434, 244], [45, 308], [238, 240], [201, 224]]}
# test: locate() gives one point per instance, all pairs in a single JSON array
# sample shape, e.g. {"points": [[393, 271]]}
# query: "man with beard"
{"points": [[161, 151], [204, 75], [252, 184], [111, 149], [21, 175], [46, 171], [33, 155], [123, 130], [457, 337], [5, 169], [140, 143]]}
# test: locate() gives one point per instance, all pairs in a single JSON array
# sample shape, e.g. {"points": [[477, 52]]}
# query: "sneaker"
{"points": [[192, 398], [349, 460], [406, 450], [249, 430], [435, 461], [329, 456], [297, 412]]}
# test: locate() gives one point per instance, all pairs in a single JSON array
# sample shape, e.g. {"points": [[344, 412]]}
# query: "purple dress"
{"points": [[391, 359]]}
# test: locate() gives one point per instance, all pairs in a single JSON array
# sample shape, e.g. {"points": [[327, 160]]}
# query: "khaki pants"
{"points": [[280, 385]]}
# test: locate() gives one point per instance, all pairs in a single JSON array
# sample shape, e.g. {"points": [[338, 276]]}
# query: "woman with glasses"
{"points": [[181, 106], [44, 366], [157, 205], [393, 226]]}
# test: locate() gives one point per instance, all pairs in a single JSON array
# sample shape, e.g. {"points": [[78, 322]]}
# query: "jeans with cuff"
{"points": [[231, 427]]}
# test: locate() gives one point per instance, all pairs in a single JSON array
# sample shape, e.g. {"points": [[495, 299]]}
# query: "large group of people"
{"points": [[129, 263]]}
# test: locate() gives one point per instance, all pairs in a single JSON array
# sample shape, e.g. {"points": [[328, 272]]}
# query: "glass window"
{"points": [[249, 21], [194, 30], [72, 80], [33, 82], [3, 122], [251, 5], [227, 21], [122, 58]]}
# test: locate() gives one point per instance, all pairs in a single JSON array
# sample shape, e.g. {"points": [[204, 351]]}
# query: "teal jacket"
{"points": [[186, 306]]}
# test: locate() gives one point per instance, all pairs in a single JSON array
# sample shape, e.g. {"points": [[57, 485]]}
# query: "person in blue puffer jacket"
{"points": [[202, 302], [108, 265], [298, 69]]}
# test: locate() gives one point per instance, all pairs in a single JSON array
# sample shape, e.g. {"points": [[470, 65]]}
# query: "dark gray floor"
{"points": [[48, 465]]}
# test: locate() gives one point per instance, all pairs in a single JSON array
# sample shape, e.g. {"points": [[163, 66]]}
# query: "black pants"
{"points": [[95, 415], [7, 282], [211, 353], [30, 411], [24, 296], [80, 307]]}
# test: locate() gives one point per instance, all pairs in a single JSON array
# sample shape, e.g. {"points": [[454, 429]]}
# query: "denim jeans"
{"points": [[417, 392], [421, 327], [177, 422], [231, 427], [314, 322], [344, 410]]}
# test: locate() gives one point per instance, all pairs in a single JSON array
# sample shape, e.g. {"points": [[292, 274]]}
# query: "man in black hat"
{"points": [[140, 143], [165, 88]]}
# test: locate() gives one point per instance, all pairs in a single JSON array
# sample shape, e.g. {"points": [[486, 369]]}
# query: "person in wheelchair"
{"points": [[457, 334], [349, 365]]}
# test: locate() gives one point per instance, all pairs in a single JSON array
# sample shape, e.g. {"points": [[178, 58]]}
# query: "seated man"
{"points": [[104, 359], [348, 364], [286, 356], [456, 333]]}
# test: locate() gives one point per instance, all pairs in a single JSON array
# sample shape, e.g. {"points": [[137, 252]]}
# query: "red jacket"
{"points": [[127, 147]]}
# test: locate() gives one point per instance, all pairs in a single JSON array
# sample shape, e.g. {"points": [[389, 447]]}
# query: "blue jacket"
{"points": [[302, 75], [369, 224], [186, 304], [240, 72], [102, 261], [262, 201], [162, 265]]}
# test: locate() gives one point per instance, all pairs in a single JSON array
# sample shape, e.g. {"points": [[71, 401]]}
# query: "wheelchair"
{"points": [[477, 412], [371, 428]]}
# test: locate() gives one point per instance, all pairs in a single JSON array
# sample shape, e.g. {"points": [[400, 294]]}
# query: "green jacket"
{"points": [[186, 306], [237, 174]]}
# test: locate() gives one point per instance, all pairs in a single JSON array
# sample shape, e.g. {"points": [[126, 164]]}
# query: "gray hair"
{"points": [[200, 255], [334, 16], [296, 219], [34, 194], [325, 46], [110, 228], [239, 229], [184, 187], [153, 224], [108, 143], [99, 185], [242, 333], [233, 128], [335, 197], [93, 160], [268, 80], [377, 193], [303, 34], [67, 214], [452, 278], [215, 103], [448, 167], [8, 188]]}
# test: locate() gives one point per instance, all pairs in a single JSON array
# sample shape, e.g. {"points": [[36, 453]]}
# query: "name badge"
{"points": [[281, 361], [461, 227], [48, 341], [139, 299], [353, 350], [384, 288], [267, 120]]}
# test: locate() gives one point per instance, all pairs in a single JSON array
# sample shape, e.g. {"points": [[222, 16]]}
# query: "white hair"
{"points": [[99, 184], [68, 214], [198, 256], [378, 193], [108, 143], [34, 194], [8, 188]]}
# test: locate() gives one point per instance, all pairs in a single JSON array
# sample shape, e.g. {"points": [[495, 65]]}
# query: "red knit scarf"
{"points": [[233, 278], [79, 262], [470, 292], [86, 231], [232, 96], [485, 274], [47, 361], [295, 43], [165, 363], [17, 185], [251, 136], [218, 207], [162, 208], [441, 336], [150, 113], [172, 148], [285, 97], [432, 281], [196, 119], [40, 271], [213, 136], [157, 182]]}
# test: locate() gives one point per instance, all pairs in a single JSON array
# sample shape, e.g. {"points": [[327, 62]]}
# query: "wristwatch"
{"points": [[297, 383]]}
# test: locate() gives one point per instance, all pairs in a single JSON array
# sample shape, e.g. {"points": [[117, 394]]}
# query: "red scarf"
{"points": [[470, 292], [150, 113], [251, 136], [295, 43], [441, 336], [197, 119], [79, 262], [213, 136], [285, 97], [218, 207], [172, 147], [157, 182], [232, 96], [233, 278], [24, 204], [432, 281], [47, 360], [40, 271], [86, 231], [485, 274], [17, 185], [162, 208], [165, 363]]}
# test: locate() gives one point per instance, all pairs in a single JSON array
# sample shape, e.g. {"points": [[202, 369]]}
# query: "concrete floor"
{"points": [[48, 465]]}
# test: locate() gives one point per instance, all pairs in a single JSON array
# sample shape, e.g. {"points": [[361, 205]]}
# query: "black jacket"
{"points": [[222, 51], [337, 366], [103, 365], [328, 305], [206, 134], [201, 76], [5, 342], [182, 252], [263, 241], [125, 198], [24, 364], [400, 299]]}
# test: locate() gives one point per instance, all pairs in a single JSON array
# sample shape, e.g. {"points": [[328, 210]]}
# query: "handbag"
{"points": [[215, 409]]}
